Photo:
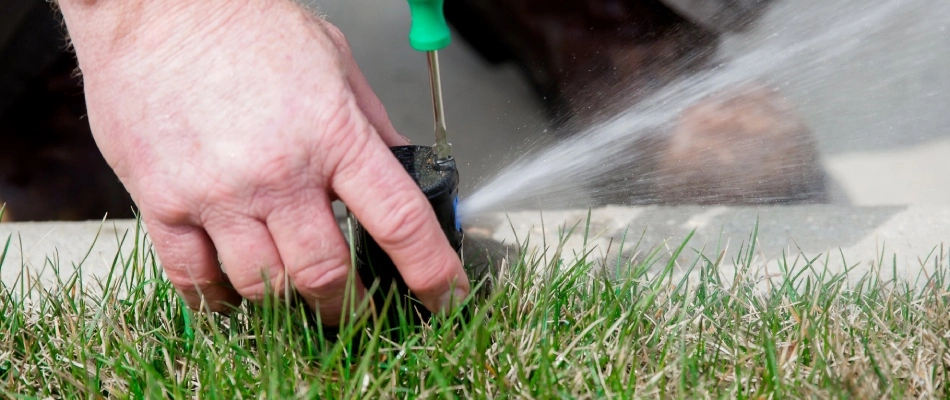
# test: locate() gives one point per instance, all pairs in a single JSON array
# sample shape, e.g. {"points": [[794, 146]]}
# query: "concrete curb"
{"points": [[41, 249], [838, 238], [910, 238]]}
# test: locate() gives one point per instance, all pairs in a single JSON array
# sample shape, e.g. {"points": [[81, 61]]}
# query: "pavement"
{"points": [[49, 252], [902, 242], [908, 240]]}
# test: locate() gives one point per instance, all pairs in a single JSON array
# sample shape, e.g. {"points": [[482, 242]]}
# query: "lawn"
{"points": [[551, 328]]}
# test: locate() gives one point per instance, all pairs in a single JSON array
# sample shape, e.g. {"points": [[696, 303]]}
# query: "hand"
{"points": [[234, 125]]}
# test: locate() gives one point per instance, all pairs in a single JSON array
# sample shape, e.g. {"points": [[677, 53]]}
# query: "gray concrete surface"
{"points": [[879, 107], [51, 250], [911, 239]]}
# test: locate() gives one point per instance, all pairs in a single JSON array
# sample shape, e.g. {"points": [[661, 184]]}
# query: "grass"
{"points": [[550, 329]]}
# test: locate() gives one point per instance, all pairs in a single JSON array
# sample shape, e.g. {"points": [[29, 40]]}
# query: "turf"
{"points": [[551, 328]]}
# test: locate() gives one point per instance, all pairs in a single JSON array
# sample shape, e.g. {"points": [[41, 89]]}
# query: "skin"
{"points": [[234, 124]]}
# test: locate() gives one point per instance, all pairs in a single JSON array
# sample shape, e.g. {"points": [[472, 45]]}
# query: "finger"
{"points": [[366, 99], [248, 255], [315, 255], [393, 209], [189, 261]]}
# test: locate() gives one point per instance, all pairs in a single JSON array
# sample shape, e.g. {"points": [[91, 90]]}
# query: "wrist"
{"points": [[119, 33]]}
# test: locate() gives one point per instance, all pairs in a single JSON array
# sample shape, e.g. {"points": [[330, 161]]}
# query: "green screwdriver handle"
{"points": [[429, 32]]}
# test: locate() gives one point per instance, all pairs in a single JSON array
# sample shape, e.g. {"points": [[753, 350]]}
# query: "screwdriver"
{"points": [[435, 172], [430, 33]]}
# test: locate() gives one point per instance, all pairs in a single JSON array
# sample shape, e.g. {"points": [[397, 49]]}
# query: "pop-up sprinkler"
{"points": [[432, 168]]}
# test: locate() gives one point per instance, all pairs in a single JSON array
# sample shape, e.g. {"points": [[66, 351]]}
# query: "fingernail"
{"points": [[452, 298]]}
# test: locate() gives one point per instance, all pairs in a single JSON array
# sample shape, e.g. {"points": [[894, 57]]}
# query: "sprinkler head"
{"points": [[438, 180]]}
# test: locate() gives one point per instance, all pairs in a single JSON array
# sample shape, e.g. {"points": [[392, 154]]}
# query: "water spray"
{"points": [[432, 168]]}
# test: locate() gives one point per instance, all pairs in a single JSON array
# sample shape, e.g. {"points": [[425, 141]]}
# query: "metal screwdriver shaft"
{"points": [[429, 33], [442, 148]]}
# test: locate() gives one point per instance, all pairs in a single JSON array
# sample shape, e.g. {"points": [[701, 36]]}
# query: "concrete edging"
{"points": [[907, 235]]}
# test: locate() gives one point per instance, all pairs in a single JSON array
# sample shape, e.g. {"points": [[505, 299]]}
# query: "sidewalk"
{"points": [[910, 238]]}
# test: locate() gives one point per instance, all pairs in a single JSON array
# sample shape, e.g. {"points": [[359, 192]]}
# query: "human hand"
{"points": [[234, 125]]}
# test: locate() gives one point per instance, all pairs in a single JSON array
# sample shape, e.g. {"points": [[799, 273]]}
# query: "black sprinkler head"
{"points": [[439, 181]]}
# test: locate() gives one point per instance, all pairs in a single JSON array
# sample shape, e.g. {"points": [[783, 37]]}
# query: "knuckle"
{"points": [[219, 205], [343, 142], [436, 271], [278, 180], [280, 168], [180, 281], [191, 280], [336, 36], [162, 204], [166, 212], [430, 282], [219, 194], [400, 228], [322, 280], [255, 285]]}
